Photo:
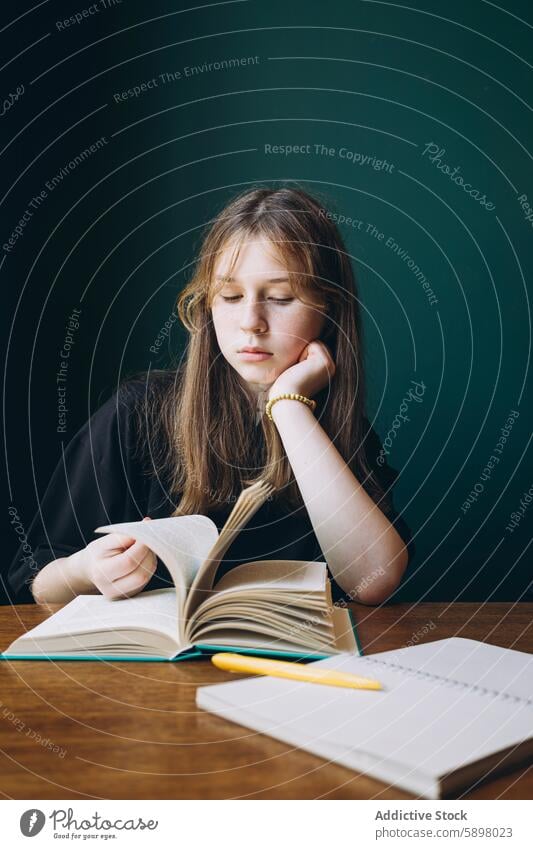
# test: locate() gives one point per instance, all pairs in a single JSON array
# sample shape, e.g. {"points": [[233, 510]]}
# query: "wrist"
{"points": [[61, 580], [283, 397], [77, 572], [284, 390]]}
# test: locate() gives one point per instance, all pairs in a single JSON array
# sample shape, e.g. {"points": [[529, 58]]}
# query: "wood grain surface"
{"points": [[100, 730]]}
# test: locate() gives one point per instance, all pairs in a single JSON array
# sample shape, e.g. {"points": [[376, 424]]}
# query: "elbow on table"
{"points": [[378, 591]]}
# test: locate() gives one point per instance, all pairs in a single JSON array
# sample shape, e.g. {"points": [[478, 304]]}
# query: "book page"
{"points": [[300, 576], [255, 634], [239, 639], [294, 596], [247, 504], [181, 542], [344, 631], [277, 617], [288, 576], [85, 614]]}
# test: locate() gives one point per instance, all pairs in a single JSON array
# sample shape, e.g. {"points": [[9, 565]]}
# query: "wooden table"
{"points": [[132, 730]]}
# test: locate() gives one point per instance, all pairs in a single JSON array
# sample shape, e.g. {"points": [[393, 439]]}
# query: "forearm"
{"points": [[365, 554], [62, 580]]}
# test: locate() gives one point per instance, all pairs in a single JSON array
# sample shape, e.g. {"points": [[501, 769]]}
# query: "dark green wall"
{"points": [[449, 310]]}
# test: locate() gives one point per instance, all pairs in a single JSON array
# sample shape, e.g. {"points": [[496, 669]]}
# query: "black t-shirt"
{"points": [[100, 480]]}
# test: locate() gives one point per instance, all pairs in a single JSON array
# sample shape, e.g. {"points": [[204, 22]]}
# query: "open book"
{"points": [[274, 607]]}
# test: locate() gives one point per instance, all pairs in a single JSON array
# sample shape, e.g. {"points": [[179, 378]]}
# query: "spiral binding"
{"points": [[431, 676]]}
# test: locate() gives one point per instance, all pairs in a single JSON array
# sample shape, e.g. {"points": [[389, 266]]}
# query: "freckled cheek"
{"points": [[294, 332], [224, 326]]}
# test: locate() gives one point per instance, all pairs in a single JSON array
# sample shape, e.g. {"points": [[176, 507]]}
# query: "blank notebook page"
{"points": [[444, 704]]}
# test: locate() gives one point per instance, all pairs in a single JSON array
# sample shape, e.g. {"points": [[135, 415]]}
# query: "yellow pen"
{"points": [[289, 669]]}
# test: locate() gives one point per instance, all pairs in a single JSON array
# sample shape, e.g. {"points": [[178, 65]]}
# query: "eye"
{"points": [[276, 300]]}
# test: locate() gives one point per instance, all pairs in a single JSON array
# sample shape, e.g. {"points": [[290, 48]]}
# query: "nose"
{"points": [[252, 317]]}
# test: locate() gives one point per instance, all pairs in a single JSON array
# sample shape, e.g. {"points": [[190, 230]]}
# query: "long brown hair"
{"points": [[201, 422]]}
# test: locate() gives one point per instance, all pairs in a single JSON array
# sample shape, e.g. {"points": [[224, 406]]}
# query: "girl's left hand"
{"points": [[313, 371]]}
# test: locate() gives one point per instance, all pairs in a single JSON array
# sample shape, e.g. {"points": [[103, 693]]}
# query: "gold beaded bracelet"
{"points": [[293, 396]]}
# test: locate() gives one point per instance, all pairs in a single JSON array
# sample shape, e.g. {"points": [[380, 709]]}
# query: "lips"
{"points": [[254, 356], [248, 350]]}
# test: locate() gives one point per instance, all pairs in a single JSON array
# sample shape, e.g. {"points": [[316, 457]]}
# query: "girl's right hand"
{"points": [[117, 565]]}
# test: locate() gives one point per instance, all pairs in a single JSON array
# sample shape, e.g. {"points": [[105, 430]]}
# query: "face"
{"points": [[258, 308]]}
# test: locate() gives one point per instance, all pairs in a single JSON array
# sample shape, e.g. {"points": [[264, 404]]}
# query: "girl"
{"points": [[272, 387]]}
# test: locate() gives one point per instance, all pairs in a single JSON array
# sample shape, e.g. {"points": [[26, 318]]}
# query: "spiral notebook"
{"points": [[451, 714]]}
